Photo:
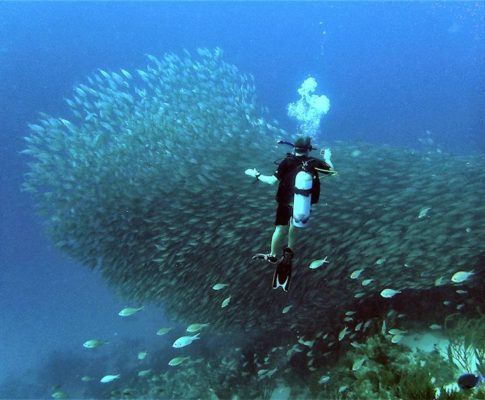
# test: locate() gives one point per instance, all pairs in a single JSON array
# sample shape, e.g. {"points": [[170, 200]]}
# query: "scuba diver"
{"points": [[298, 189]]}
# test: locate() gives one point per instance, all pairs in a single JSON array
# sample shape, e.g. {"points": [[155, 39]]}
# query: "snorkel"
{"points": [[293, 145]]}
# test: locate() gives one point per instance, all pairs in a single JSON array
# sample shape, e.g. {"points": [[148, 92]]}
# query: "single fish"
{"points": [[324, 379], [219, 286], [367, 324], [271, 372], [342, 334], [395, 331], [185, 341], [86, 378], [126, 312], [358, 363], [380, 261], [286, 309], [318, 263], [144, 372], [263, 373], [163, 331], [396, 338], [460, 291], [90, 116], [94, 343], [388, 293], [104, 73], [423, 212], [126, 73], [435, 327], [356, 273], [366, 282], [59, 394], [226, 302], [177, 361], [440, 281], [142, 355], [109, 378], [196, 327], [461, 276], [349, 313], [307, 343], [292, 350]]}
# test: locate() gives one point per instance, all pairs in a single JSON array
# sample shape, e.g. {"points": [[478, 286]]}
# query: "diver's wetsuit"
{"points": [[286, 173]]}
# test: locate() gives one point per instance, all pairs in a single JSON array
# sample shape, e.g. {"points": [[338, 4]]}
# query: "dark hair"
{"points": [[303, 144]]}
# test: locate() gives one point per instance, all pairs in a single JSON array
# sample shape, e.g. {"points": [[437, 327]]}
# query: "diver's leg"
{"points": [[293, 234], [282, 274], [278, 239]]}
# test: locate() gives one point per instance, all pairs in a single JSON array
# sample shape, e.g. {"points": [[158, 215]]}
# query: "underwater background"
{"points": [[406, 87]]}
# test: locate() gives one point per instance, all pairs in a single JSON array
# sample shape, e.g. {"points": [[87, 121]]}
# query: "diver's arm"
{"points": [[325, 166], [269, 179], [326, 154]]}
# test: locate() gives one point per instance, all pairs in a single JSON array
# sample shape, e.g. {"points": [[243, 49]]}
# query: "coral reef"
{"points": [[466, 349]]}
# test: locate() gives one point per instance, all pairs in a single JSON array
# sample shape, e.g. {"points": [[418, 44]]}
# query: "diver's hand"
{"points": [[251, 172], [327, 156]]}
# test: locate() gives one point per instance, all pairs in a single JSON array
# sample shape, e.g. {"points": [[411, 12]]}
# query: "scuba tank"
{"points": [[302, 199], [303, 185]]}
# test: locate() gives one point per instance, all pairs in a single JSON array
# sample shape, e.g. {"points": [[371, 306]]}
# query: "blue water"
{"points": [[392, 71]]}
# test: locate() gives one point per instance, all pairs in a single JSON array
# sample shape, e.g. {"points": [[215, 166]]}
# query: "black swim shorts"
{"points": [[283, 214]]}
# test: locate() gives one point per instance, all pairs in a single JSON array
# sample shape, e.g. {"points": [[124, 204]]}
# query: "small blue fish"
{"points": [[185, 341]]}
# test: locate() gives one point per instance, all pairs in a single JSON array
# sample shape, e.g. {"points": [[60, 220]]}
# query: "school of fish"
{"points": [[145, 182]]}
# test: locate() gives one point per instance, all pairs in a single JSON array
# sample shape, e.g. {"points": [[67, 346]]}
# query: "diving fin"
{"points": [[282, 274], [265, 257]]}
